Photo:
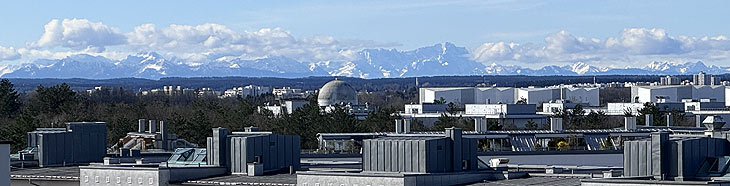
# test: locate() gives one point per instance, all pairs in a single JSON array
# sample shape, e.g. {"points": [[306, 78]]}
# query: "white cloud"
{"points": [[8, 53], [194, 43], [632, 44], [645, 41], [214, 41], [79, 34], [563, 42]]}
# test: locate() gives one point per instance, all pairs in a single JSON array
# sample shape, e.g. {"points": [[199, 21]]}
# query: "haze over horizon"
{"points": [[338, 37]]}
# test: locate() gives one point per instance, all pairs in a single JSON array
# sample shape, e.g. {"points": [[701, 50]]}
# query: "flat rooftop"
{"points": [[563, 181], [277, 179], [70, 173]]}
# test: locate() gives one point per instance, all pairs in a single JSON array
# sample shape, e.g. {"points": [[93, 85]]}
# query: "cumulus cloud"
{"points": [[645, 41], [8, 53], [214, 41], [630, 44], [193, 43], [79, 34]]}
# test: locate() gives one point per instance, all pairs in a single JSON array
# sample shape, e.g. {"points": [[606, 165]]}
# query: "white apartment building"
{"points": [[677, 93], [494, 95], [250, 90]]}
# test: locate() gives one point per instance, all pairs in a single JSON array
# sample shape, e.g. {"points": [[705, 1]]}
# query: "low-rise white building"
{"points": [[677, 93], [290, 93], [505, 114], [558, 106], [288, 107], [250, 90], [425, 108], [508, 95], [619, 108]]}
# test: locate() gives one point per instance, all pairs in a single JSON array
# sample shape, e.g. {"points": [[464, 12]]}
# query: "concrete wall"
{"points": [[182, 174], [449, 94], [582, 95], [493, 95], [124, 176], [436, 179], [709, 92], [536, 95], [727, 96], [144, 176]]}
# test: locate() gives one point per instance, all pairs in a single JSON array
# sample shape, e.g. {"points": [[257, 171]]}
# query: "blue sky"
{"points": [[404, 25]]}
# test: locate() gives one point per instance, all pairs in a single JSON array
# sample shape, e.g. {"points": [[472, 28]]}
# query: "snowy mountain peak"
{"points": [[660, 66], [442, 59]]}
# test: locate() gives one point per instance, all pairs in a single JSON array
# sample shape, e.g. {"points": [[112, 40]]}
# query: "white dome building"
{"points": [[336, 92]]}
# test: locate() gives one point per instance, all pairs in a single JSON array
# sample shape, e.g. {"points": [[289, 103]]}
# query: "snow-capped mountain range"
{"points": [[437, 60]]}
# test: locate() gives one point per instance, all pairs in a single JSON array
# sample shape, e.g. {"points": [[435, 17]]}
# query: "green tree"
{"points": [[54, 100], [9, 102], [595, 120], [530, 125], [381, 120], [521, 101], [649, 109], [493, 125], [444, 121], [417, 125], [440, 101]]}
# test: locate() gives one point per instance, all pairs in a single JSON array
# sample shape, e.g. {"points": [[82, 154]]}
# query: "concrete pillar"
{"points": [[217, 148], [398, 126], [556, 124], [153, 126], [480, 125], [407, 126], [163, 135], [670, 120], [698, 121], [649, 120], [455, 135], [659, 155], [630, 123], [142, 125]]}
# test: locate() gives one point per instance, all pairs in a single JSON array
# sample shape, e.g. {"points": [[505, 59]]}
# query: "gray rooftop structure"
{"points": [[672, 159], [253, 152], [78, 143], [420, 154], [446, 159], [151, 136]]}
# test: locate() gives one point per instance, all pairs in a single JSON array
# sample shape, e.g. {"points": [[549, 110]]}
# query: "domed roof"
{"points": [[336, 92]]}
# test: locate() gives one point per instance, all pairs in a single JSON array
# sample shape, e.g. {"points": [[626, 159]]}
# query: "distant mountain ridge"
{"points": [[442, 59]]}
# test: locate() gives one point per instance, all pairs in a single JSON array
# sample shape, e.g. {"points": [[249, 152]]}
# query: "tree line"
{"points": [[190, 116]]}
